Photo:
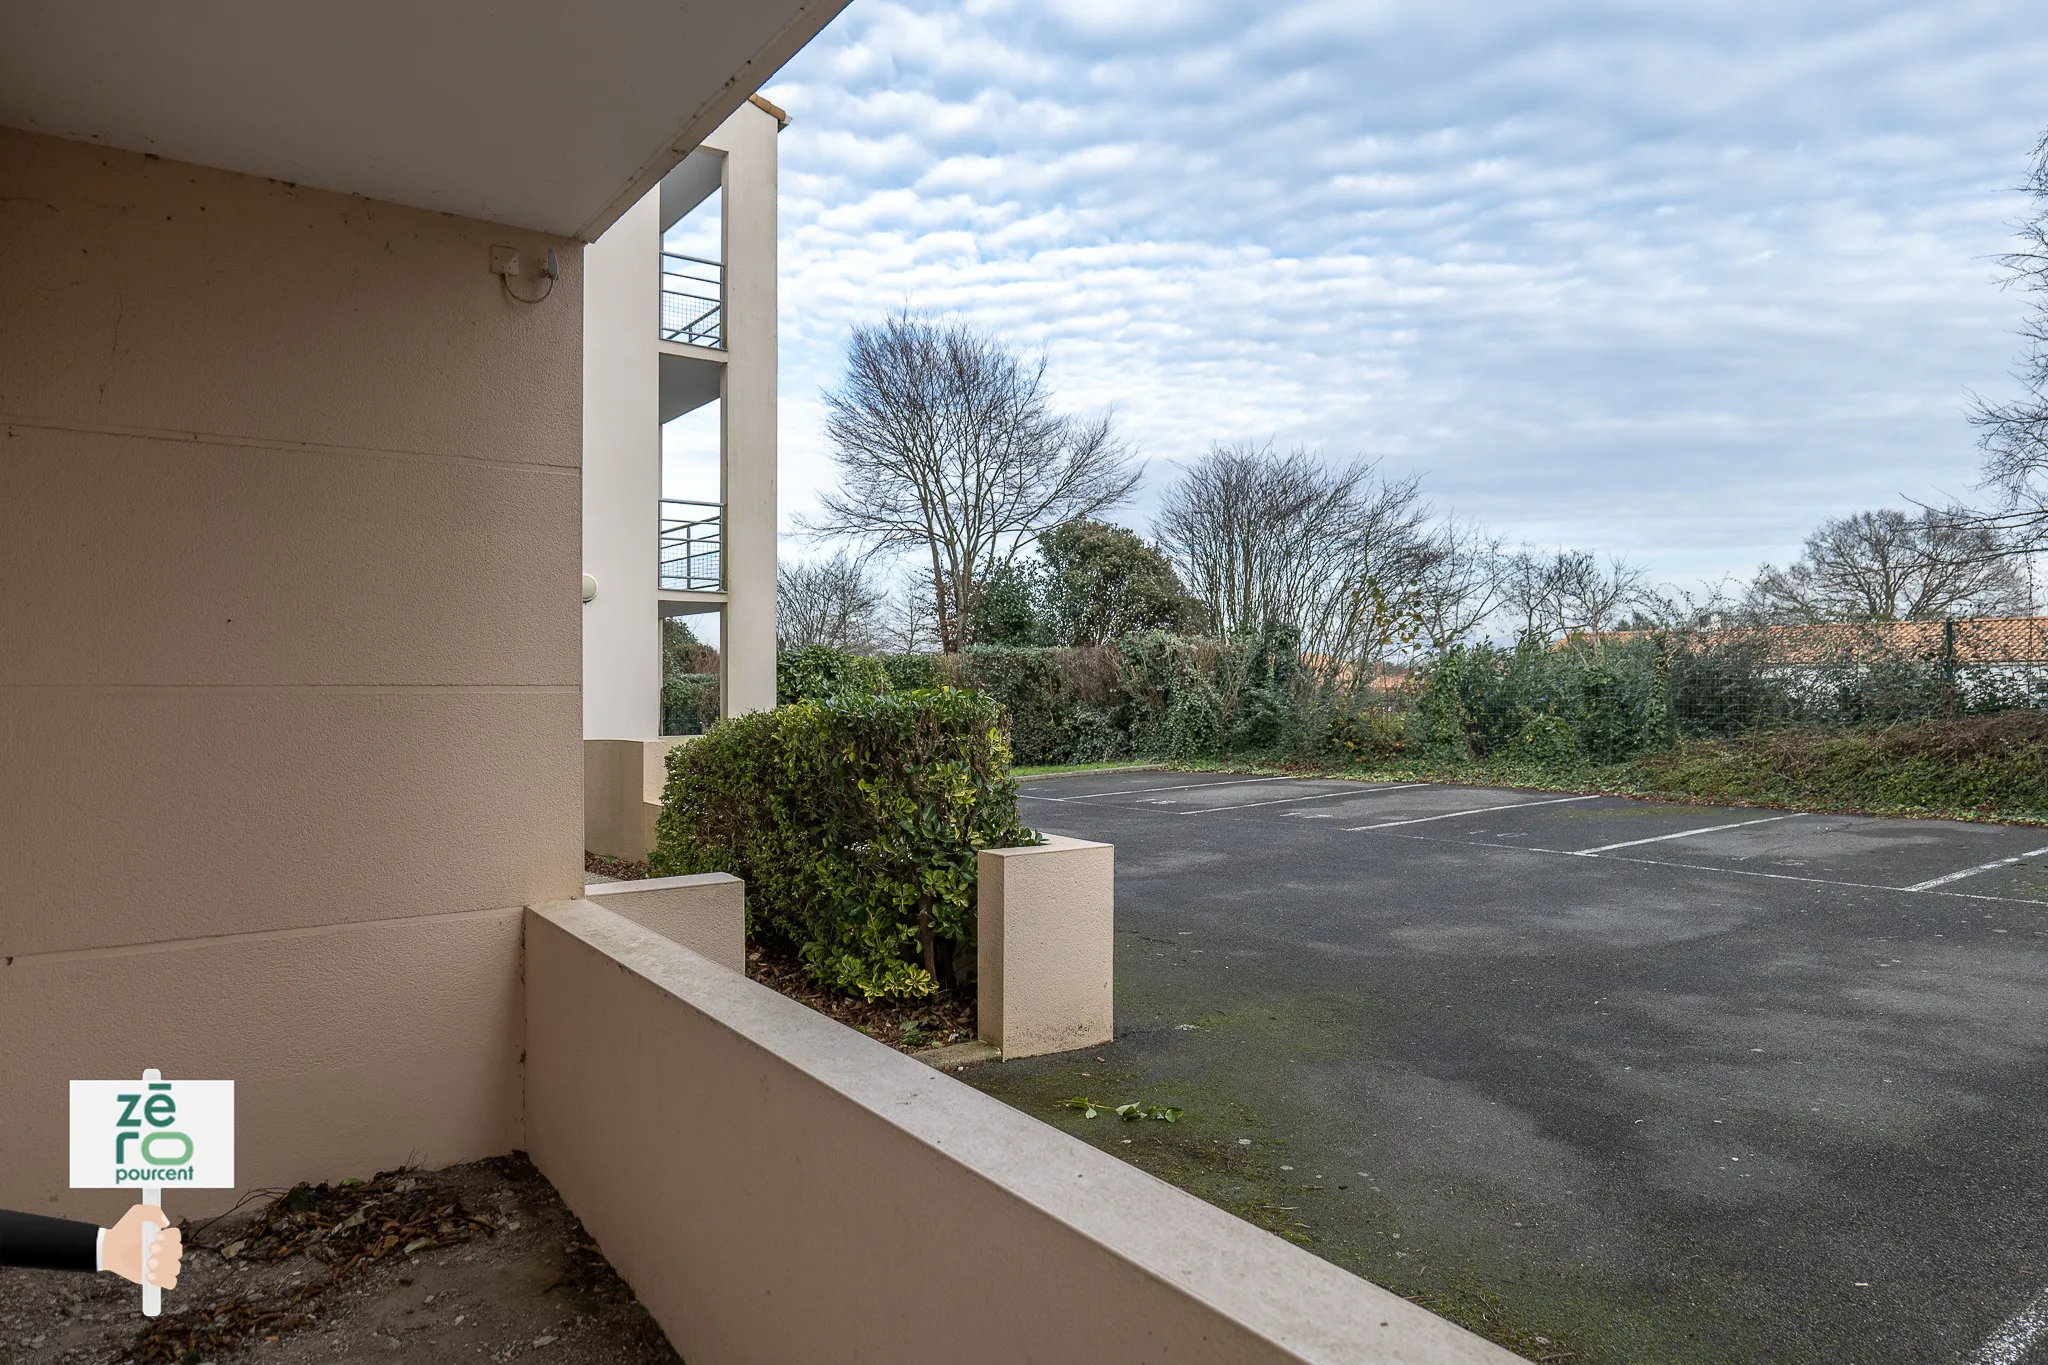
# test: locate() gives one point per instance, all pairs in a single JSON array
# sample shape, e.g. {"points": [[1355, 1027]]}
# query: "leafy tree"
{"points": [[1006, 611], [689, 679], [682, 653], [1102, 582]]}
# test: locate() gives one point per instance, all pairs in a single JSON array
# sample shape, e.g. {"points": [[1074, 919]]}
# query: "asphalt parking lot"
{"points": [[1642, 1082]]}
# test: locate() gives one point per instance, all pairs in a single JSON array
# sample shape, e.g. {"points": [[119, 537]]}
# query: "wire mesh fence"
{"points": [[1732, 680]]}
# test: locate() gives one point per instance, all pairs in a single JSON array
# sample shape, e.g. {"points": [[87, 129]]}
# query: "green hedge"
{"points": [[1550, 708], [820, 673], [855, 823]]}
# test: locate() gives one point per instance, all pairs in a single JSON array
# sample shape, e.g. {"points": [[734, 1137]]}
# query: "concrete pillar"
{"points": [[1045, 946], [748, 140], [622, 477]]}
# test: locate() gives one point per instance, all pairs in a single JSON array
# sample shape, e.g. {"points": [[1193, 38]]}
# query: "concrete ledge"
{"points": [[952, 1058], [776, 1187], [1046, 946], [705, 912]]}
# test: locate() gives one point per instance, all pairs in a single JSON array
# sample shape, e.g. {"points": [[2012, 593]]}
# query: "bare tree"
{"points": [[2014, 435], [907, 623], [1522, 586], [947, 443], [1586, 598], [1888, 565], [1336, 554], [828, 602], [1567, 592], [1460, 585], [1708, 607]]}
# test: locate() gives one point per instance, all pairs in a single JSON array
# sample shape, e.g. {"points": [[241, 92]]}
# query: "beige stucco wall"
{"points": [[777, 1187], [705, 912], [622, 476], [622, 785], [1045, 949], [290, 695]]}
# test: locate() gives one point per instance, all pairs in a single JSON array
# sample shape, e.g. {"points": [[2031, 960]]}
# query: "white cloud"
{"points": [[1676, 281]]}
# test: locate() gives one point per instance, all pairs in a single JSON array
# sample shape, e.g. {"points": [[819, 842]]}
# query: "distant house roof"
{"points": [[1978, 639]]}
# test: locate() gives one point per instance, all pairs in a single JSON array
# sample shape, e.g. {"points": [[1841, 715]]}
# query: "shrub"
{"points": [[820, 673], [1367, 731], [855, 823], [1546, 744]]}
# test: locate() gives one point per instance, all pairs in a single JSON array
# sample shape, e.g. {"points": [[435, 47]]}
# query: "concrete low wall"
{"points": [[1046, 946], [777, 1187], [706, 912], [622, 784]]}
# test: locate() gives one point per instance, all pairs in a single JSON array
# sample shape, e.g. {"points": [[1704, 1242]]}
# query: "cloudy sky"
{"points": [[1673, 280]]}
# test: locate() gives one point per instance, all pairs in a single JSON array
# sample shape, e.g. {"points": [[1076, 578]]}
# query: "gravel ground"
{"points": [[521, 1279]]}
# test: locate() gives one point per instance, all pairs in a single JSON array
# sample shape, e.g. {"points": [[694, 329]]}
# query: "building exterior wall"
{"points": [[622, 476], [622, 445], [290, 696]]}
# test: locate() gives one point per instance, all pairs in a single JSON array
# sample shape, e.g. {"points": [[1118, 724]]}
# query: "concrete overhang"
{"points": [[538, 115]]}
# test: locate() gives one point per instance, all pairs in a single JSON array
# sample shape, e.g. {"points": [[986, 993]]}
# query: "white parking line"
{"points": [[1319, 796], [1682, 834], [1452, 815], [1933, 882], [1721, 869], [1140, 791], [2010, 1343]]}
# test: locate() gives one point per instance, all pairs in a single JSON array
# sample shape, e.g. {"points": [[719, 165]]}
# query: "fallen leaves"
{"points": [[347, 1227]]}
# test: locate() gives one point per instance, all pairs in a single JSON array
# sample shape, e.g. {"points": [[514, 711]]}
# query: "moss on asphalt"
{"points": [[1231, 1156]]}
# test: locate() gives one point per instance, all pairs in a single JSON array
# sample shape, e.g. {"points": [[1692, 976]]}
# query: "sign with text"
{"points": [[128, 1134]]}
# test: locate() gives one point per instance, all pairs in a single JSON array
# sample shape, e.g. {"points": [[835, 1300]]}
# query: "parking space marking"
{"points": [[2010, 1343], [1319, 796], [1720, 868], [1452, 815], [1682, 834], [1140, 791], [1933, 882]]}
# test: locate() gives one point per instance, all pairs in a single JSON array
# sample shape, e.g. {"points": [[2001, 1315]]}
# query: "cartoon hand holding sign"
{"points": [[146, 1134]]}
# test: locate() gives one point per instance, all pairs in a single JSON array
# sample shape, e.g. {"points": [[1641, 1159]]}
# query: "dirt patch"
{"points": [[480, 1262], [906, 1025], [618, 869]]}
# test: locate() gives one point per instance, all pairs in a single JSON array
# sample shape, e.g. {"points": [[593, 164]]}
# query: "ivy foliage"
{"points": [[1553, 709], [855, 823]]}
